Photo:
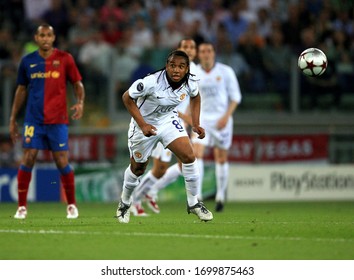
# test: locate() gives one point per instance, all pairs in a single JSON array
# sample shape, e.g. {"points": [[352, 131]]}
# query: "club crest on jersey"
{"points": [[183, 96], [140, 87], [138, 154], [218, 78], [56, 63], [55, 74]]}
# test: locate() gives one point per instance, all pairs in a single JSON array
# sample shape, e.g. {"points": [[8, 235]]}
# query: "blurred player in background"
{"points": [[220, 96], [161, 173], [41, 84], [152, 103]]}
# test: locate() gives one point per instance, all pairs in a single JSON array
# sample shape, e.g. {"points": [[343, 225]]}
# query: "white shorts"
{"points": [[161, 153], [141, 147], [214, 137]]}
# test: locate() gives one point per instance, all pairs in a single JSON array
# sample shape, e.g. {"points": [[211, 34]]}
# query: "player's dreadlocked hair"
{"points": [[186, 77]]}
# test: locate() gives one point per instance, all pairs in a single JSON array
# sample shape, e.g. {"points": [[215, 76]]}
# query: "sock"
{"points": [[222, 175], [171, 175], [144, 186], [191, 178], [24, 175], [201, 174], [68, 181], [131, 181]]}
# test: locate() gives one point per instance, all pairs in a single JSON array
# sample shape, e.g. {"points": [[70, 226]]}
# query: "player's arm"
{"points": [[230, 110], [185, 117], [134, 111], [19, 100], [195, 113], [78, 108]]}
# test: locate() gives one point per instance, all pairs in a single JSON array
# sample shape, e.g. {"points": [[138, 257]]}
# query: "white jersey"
{"points": [[217, 88], [157, 103], [155, 98]]}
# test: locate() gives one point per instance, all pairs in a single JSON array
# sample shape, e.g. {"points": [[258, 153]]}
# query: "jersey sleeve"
{"points": [[194, 89], [21, 74], [141, 87], [72, 71], [232, 86]]}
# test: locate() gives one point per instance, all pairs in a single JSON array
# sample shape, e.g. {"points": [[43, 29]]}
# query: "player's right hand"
{"points": [[13, 128], [149, 130]]}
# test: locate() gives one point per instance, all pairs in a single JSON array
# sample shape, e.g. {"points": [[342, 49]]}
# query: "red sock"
{"points": [[23, 180], [69, 187]]}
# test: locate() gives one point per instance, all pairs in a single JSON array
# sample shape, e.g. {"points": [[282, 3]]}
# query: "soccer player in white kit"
{"points": [[161, 156], [151, 102], [220, 95]]}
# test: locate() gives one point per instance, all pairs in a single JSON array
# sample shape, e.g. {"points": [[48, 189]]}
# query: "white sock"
{"points": [[171, 175], [191, 178], [131, 181], [222, 176], [201, 174], [145, 185]]}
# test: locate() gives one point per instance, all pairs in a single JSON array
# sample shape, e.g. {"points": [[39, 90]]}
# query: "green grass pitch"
{"points": [[244, 231]]}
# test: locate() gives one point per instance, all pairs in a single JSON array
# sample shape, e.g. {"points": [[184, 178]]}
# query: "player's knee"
{"points": [[29, 158], [187, 158], [61, 160], [138, 170], [160, 169]]}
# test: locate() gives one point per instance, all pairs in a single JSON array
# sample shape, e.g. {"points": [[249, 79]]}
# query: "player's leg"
{"points": [[58, 139], [145, 184], [222, 176], [131, 180], [222, 144], [182, 148], [171, 175], [199, 149], [67, 178], [24, 175], [140, 150], [157, 171], [32, 139], [161, 159]]}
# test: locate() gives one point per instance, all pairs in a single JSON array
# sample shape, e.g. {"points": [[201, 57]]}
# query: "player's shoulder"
{"points": [[63, 54], [152, 79], [223, 66], [30, 56], [225, 69], [147, 82]]}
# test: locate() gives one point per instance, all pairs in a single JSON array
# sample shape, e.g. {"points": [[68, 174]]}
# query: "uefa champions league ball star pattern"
{"points": [[312, 62]]}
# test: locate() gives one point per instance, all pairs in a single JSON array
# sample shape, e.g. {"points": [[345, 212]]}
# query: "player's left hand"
{"points": [[200, 131], [79, 111], [222, 122]]}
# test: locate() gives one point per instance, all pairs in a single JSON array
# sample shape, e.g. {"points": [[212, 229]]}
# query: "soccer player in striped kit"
{"points": [[41, 84]]}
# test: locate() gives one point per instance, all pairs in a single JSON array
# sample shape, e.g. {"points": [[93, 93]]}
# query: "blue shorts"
{"points": [[52, 137]]}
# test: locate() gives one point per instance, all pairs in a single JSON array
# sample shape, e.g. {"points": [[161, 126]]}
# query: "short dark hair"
{"points": [[44, 25], [185, 39]]}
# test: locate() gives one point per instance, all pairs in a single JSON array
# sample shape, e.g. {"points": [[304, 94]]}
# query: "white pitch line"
{"points": [[177, 235]]}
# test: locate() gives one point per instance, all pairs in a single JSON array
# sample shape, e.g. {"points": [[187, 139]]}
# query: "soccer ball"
{"points": [[312, 62]]}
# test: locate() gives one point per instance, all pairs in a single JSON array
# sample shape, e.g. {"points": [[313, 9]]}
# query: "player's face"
{"points": [[177, 68], [45, 38], [206, 54], [189, 47]]}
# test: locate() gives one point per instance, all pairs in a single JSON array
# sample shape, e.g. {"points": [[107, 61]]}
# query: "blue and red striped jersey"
{"points": [[46, 81]]}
